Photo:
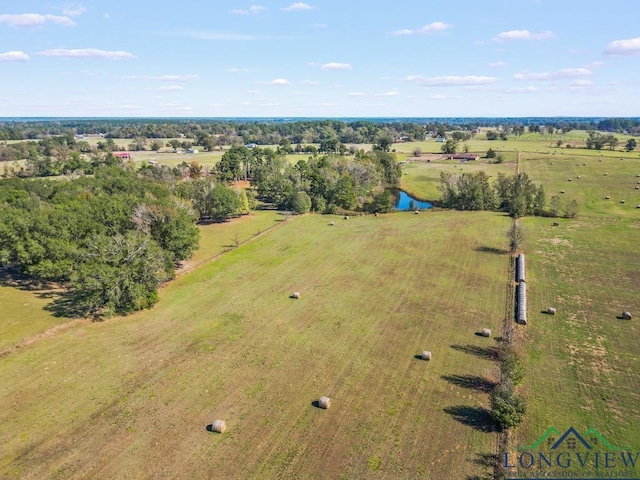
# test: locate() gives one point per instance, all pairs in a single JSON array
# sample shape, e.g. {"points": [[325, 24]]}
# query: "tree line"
{"points": [[517, 195], [110, 239]]}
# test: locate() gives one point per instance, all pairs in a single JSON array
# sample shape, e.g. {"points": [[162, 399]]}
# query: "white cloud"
{"points": [[252, 10], [404, 31], [391, 93], [16, 56], [336, 66], [595, 64], [297, 7], [237, 70], [435, 27], [170, 88], [310, 82], [277, 82], [497, 64], [523, 35], [35, 20], [629, 46], [450, 80], [427, 29], [521, 90], [581, 83], [356, 94], [176, 78], [443, 97], [560, 74], [73, 10], [87, 53]]}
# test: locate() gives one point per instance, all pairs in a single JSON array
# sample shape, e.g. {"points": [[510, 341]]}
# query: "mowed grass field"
{"points": [[25, 311], [583, 364], [131, 397]]}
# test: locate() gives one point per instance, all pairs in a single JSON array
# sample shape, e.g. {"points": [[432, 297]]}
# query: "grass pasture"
{"points": [[131, 397], [583, 363]]}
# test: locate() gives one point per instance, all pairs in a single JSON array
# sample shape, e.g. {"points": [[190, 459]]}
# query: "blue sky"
{"points": [[314, 58]]}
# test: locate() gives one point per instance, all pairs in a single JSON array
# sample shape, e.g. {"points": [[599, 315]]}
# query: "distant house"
{"points": [[440, 139], [192, 150], [251, 145], [123, 155], [462, 156]]}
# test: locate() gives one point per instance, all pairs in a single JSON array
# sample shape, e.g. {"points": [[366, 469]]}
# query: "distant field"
{"points": [[422, 178], [131, 397]]}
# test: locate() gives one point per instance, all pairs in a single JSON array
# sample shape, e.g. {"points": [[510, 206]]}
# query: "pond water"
{"points": [[404, 202]]}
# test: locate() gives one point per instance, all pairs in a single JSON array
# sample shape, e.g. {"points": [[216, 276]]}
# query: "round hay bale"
{"points": [[324, 402], [551, 311], [578, 176], [555, 224], [605, 174], [486, 332], [375, 214], [621, 201], [346, 217], [638, 175], [552, 163], [417, 212], [561, 191], [607, 197], [296, 295], [626, 315], [332, 224], [426, 355], [219, 426], [568, 180], [637, 187], [637, 206]]}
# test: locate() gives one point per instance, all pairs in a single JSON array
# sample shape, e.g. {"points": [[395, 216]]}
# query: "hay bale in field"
{"points": [[621, 201], [584, 164], [426, 355], [605, 174], [607, 197], [486, 332], [295, 295], [551, 311], [417, 212], [637, 206], [626, 316], [555, 224], [637, 187], [346, 217], [637, 174], [552, 163], [568, 179], [578, 176], [219, 426], [331, 224], [561, 191], [375, 214], [324, 402]]}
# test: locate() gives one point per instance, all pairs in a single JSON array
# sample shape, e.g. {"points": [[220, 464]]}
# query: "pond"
{"points": [[404, 201]]}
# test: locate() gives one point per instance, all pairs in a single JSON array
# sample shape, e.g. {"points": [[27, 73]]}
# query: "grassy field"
{"points": [[583, 363], [25, 309], [131, 397]]}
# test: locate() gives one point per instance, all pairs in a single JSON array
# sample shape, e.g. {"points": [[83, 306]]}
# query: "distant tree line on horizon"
{"points": [[271, 131]]}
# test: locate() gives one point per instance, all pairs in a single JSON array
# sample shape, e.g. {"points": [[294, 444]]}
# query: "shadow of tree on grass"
{"points": [[490, 353], [477, 418], [470, 381]]}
